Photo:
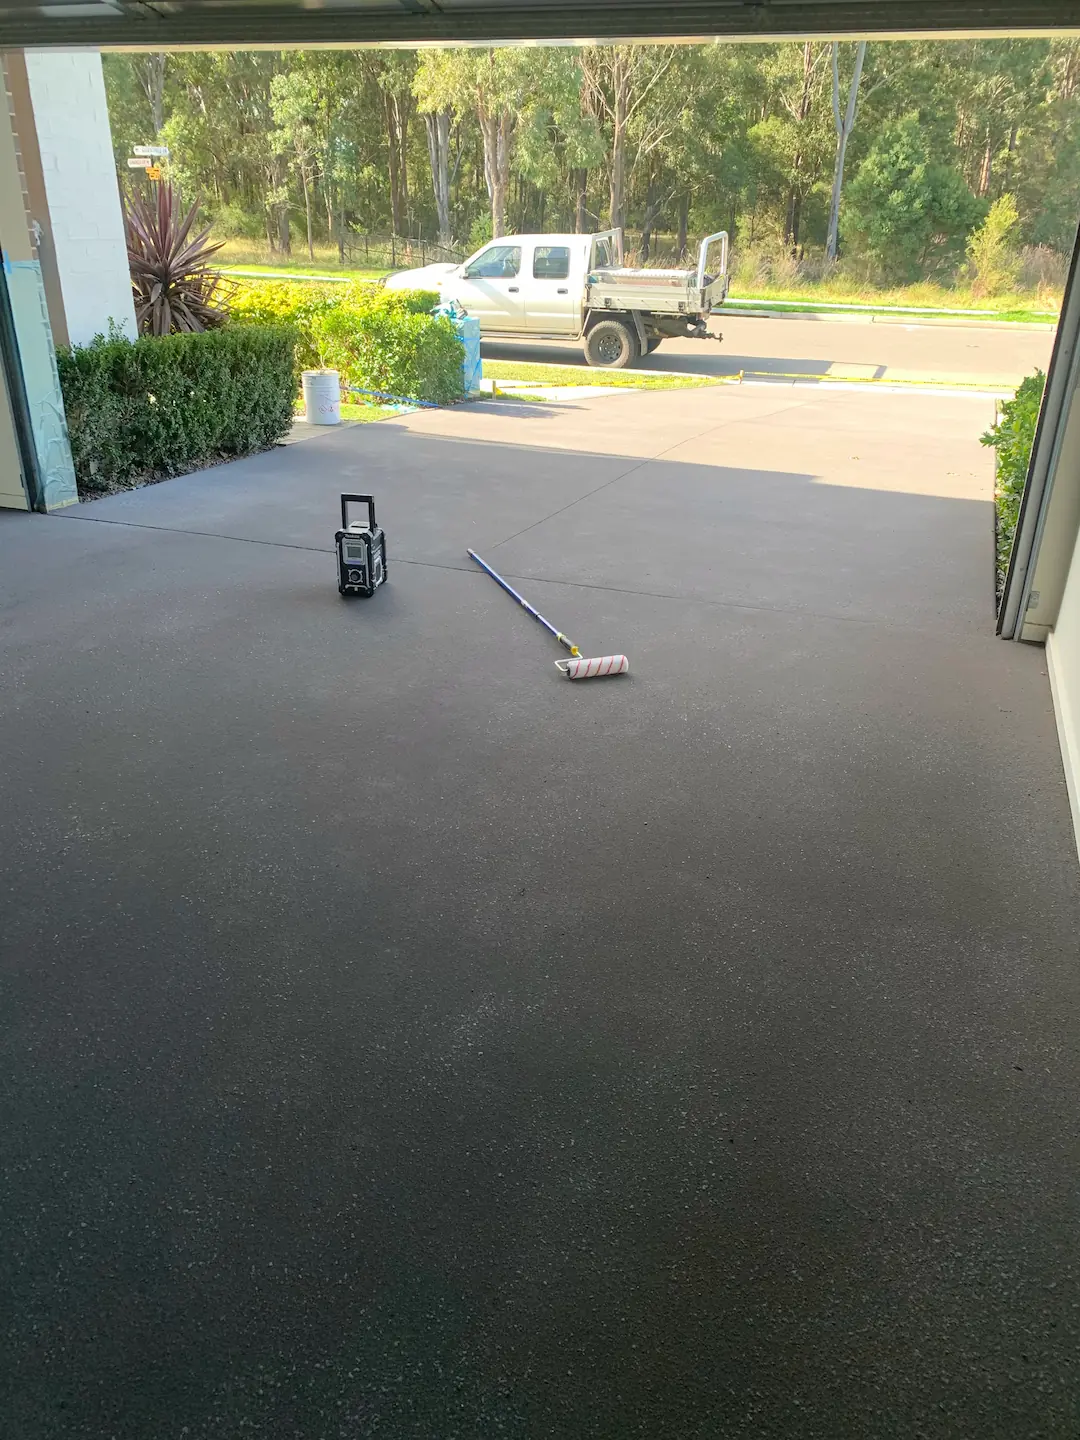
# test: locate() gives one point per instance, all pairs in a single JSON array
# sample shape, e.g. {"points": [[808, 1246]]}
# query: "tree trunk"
{"points": [[987, 164], [506, 130], [800, 112], [617, 179], [489, 131], [1069, 72], [684, 225], [794, 209], [397, 110], [307, 210], [844, 125], [438, 140], [581, 200], [651, 212], [277, 206], [403, 106], [151, 72], [497, 131], [1010, 159], [397, 217]]}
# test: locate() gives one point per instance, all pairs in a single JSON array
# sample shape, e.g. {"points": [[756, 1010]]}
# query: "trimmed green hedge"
{"points": [[140, 410], [377, 339], [1012, 437]]}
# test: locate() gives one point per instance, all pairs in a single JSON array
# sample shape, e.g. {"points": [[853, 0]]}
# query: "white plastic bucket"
{"points": [[322, 397]]}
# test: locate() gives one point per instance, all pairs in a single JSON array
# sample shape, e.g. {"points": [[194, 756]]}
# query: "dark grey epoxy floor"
{"points": [[401, 1042]]}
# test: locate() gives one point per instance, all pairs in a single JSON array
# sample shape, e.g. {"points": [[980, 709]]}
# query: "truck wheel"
{"points": [[611, 344]]}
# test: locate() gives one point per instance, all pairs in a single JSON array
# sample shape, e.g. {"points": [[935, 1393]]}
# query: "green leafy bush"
{"points": [[993, 259], [281, 302], [419, 356], [377, 339], [159, 406], [906, 211], [1012, 436]]}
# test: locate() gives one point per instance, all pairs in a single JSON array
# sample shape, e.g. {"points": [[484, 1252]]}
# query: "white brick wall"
{"points": [[68, 93]]}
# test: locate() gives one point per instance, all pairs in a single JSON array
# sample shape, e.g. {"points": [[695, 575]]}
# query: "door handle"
{"points": [[513, 289], [562, 291]]}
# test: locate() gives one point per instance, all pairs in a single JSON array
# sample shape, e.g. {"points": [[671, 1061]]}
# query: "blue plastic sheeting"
{"points": [[37, 356], [468, 327]]}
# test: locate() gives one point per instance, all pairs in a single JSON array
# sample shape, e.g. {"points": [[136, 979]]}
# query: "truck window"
{"points": [[497, 262], [551, 262], [602, 259]]}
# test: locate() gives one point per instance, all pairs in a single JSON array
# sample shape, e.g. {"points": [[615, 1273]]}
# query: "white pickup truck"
{"points": [[575, 287]]}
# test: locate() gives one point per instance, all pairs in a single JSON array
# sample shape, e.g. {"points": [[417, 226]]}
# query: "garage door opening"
{"points": [[399, 1040]]}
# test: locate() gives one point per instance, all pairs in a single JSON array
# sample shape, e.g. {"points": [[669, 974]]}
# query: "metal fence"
{"points": [[396, 252]]}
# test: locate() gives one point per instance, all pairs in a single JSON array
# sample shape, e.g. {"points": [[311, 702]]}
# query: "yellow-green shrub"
{"points": [[378, 339], [278, 302], [385, 348]]}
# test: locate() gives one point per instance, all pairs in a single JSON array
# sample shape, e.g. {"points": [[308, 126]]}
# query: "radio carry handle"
{"points": [[368, 500]]}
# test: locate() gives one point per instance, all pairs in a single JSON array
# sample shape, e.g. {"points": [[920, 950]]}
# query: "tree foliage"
{"points": [[914, 141], [992, 255], [908, 211]]}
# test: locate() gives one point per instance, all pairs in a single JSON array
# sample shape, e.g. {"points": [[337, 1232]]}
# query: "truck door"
{"points": [[491, 288], [553, 297]]}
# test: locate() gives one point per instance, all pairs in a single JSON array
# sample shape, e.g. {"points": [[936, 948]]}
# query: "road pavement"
{"points": [[997, 357]]}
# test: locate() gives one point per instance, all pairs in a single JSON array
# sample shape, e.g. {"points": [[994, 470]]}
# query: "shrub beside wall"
{"points": [[377, 339], [159, 406], [1012, 436]]}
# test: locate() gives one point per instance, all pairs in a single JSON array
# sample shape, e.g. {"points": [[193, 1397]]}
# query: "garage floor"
{"points": [[400, 1041]]}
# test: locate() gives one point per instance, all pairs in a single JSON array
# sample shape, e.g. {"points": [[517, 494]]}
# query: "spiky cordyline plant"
{"points": [[174, 287]]}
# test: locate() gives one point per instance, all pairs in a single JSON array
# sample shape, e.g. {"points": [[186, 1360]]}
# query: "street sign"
{"points": [[153, 172], [139, 162], [159, 150]]}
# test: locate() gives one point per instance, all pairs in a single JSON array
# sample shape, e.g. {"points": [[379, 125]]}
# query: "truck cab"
{"points": [[533, 283], [555, 287]]}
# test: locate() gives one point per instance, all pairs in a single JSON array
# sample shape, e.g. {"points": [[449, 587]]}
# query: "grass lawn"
{"points": [[359, 413], [810, 306], [241, 255], [923, 294], [586, 375]]}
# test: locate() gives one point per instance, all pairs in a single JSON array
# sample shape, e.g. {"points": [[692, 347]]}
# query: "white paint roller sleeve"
{"points": [[585, 669]]}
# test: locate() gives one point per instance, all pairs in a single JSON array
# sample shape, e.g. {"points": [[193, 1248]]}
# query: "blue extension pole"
{"points": [[396, 399], [564, 640]]}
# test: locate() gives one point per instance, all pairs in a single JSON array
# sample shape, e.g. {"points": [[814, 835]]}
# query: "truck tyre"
{"points": [[612, 344]]}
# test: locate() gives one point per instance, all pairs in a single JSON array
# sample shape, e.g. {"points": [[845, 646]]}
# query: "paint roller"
{"points": [[578, 667]]}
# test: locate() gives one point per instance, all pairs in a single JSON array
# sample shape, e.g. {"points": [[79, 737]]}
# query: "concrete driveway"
{"points": [[401, 1041], [994, 355]]}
